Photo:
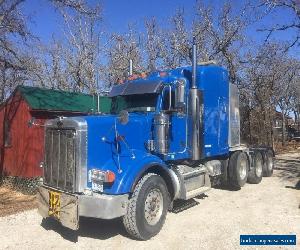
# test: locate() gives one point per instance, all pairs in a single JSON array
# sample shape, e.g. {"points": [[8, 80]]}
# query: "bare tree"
{"points": [[295, 102], [269, 81], [290, 69], [262, 76], [293, 8], [218, 39], [226, 35], [12, 22], [123, 48], [154, 44], [18, 61], [79, 6], [180, 41]]}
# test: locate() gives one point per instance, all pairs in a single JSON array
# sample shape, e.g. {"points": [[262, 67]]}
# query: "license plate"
{"points": [[97, 187], [54, 204]]}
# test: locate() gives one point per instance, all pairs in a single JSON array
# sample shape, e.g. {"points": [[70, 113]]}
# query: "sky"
{"points": [[46, 21]]}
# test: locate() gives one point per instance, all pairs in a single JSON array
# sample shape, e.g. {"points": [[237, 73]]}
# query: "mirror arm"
{"points": [[170, 97]]}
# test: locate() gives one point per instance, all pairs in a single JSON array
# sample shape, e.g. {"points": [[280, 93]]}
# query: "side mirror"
{"points": [[180, 94]]}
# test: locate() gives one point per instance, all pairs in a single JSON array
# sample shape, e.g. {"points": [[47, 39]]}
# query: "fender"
{"points": [[171, 178], [134, 169]]}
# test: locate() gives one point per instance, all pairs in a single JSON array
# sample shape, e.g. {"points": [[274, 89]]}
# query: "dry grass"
{"points": [[12, 201], [290, 147]]}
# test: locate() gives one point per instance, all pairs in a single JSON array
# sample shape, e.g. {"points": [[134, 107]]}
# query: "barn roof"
{"points": [[57, 100]]}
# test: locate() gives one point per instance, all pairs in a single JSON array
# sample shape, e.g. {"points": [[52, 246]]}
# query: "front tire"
{"points": [[238, 169], [147, 208], [256, 173]]}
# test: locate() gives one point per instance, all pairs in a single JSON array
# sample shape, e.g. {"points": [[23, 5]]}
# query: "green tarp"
{"points": [[57, 100]]}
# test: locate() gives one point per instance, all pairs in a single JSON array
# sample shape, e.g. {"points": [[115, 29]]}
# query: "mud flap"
{"points": [[66, 212]]}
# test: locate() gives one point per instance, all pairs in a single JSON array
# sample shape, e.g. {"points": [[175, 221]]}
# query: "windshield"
{"points": [[134, 103]]}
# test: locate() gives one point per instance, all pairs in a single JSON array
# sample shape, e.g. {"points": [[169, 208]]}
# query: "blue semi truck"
{"points": [[178, 133]]}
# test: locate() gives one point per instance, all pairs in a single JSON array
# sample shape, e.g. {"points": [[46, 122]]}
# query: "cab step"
{"points": [[181, 205]]}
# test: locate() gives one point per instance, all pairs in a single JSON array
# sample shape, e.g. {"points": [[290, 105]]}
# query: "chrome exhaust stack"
{"points": [[161, 133], [195, 112], [194, 67]]}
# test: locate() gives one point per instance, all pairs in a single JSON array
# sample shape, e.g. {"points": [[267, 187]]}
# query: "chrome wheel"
{"points": [[243, 169], [270, 163], [153, 206], [259, 167]]}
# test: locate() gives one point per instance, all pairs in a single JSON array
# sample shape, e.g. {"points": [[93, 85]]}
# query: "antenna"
{"points": [[194, 66], [130, 67]]}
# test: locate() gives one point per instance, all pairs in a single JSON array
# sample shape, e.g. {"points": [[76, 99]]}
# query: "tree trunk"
{"points": [[283, 127], [297, 118], [271, 127], [250, 131]]}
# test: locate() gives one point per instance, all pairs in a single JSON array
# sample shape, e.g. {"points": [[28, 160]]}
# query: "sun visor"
{"points": [[136, 87]]}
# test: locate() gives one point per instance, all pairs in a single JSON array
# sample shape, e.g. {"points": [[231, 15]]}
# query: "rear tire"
{"points": [[147, 208], [238, 169], [256, 173], [268, 164]]}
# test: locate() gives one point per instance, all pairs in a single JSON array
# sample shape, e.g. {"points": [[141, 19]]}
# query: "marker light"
{"points": [[133, 77], [143, 75], [102, 176], [162, 73], [120, 81]]}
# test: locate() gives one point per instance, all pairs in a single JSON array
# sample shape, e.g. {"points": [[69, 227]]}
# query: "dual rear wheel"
{"points": [[269, 164], [240, 172], [238, 169], [256, 173]]}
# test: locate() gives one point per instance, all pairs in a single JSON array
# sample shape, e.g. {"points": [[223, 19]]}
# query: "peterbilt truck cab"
{"points": [[170, 136]]}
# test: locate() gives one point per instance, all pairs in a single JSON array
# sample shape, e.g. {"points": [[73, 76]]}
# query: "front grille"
{"points": [[59, 167]]}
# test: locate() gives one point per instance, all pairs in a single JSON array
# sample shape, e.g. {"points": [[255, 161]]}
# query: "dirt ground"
{"points": [[12, 202], [289, 147], [216, 222]]}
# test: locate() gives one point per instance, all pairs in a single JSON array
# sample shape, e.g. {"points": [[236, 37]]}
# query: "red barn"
{"points": [[21, 144]]}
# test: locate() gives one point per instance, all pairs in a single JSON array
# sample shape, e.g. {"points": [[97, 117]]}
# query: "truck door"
{"points": [[178, 124], [223, 124]]}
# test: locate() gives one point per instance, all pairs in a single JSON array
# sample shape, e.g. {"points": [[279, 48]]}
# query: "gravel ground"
{"points": [[216, 222]]}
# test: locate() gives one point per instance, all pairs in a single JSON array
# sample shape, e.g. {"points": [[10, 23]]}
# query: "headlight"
{"points": [[102, 176]]}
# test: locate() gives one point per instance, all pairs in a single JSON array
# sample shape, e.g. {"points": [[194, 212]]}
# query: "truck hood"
{"points": [[108, 139]]}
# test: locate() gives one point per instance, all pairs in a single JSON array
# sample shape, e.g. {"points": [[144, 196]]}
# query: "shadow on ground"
{"points": [[105, 229], [289, 170], [88, 227], [227, 187]]}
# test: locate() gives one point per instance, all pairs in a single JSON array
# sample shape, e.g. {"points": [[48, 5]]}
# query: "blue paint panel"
{"points": [[102, 151], [178, 134], [213, 81]]}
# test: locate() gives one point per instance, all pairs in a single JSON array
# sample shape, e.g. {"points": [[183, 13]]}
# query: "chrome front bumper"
{"points": [[72, 206]]}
